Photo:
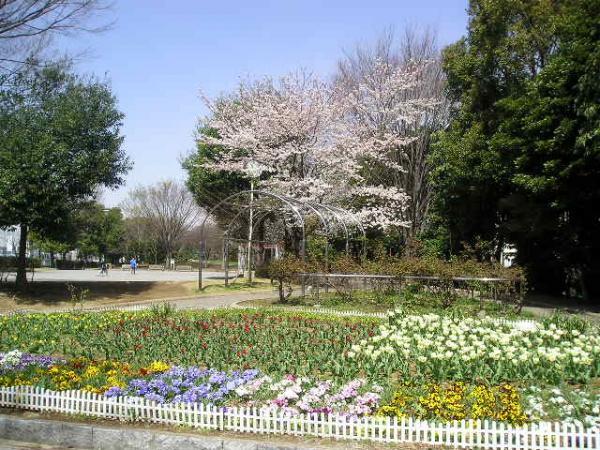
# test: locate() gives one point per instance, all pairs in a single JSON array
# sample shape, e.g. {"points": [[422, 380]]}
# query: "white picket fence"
{"points": [[312, 310], [462, 434]]}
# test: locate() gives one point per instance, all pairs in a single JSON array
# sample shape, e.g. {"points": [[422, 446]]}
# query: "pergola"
{"points": [[240, 215]]}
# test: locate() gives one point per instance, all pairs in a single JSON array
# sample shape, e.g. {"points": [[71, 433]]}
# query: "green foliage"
{"points": [[91, 229], [276, 343], [519, 162], [316, 249], [553, 129], [567, 322], [162, 311], [100, 231], [207, 186], [59, 140], [411, 298]]}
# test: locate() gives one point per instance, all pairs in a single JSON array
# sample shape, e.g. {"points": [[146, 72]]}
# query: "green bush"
{"points": [[509, 283], [10, 262]]}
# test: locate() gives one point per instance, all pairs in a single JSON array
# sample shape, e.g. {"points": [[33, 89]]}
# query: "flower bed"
{"points": [[164, 384], [425, 367], [275, 343], [445, 348]]}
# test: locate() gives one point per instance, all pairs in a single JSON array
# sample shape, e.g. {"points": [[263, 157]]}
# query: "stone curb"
{"points": [[104, 437]]}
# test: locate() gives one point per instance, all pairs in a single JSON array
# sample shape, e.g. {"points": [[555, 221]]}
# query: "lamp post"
{"points": [[105, 212], [253, 169]]}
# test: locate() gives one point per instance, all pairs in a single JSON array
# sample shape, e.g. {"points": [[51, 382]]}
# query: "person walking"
{"points": [[133, 265], [103, 270]]}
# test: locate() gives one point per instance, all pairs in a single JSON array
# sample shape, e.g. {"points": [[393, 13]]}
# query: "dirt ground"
{"points": [[43, 294], [47, 295]]}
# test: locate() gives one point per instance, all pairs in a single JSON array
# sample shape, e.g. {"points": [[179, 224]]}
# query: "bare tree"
{"points": [[28, 26], [414, 47], [139, 239], [170, 211]]}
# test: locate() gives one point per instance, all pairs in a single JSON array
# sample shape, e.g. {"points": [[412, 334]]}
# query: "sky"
{"points": [[159, 56]]}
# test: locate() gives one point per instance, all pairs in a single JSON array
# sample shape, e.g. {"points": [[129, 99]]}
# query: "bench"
{"points": [[156, 267], [125, 267], [184, 268]]}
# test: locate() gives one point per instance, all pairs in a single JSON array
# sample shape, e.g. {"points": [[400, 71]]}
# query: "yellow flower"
{"points": [[64, 386], [92, 389], [114, 381], [157, 367], [91, 372]]}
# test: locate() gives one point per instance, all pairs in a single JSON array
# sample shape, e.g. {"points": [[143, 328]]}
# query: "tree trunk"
{"points": [[281, 291], [21, 280]]}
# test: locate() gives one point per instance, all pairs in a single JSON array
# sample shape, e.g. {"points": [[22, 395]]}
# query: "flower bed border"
{"points": [[466, 433], [523, 323], [519, 323]]}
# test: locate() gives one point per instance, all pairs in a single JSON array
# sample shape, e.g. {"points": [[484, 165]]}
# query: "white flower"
{"points": [[11, 358]]}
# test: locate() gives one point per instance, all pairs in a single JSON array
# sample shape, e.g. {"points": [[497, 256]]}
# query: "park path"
{"points": [[222, 300], [215, 301]]}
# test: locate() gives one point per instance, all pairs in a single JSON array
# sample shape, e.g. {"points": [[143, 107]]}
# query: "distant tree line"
{"points": [[156, 223]]}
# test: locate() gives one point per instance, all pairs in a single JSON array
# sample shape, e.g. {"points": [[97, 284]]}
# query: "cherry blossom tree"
{"points": [[279, 126], [314, 141], [395, 92]]}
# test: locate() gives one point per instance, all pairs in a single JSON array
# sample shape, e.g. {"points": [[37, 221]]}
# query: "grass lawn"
{"points": [[213, 287]]}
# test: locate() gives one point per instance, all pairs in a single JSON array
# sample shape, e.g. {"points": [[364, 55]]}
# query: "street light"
{"points": [[105, 211], [253, 170]]}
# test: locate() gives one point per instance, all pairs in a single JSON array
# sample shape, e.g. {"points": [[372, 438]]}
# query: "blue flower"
{"points": [[155, 397], [218, 377], [250, 374], [114, 391]]}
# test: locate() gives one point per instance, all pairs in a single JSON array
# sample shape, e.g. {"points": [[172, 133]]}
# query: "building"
{"points": [[9, 242], [508, 255]]}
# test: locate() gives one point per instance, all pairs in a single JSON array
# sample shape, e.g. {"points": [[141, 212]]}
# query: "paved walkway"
{"points": [[222, 300], [208, 301], [92, 275]]}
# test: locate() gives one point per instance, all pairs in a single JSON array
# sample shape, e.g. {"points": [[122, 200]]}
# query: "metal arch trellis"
{"points": [[358, 223], [256, 206]]}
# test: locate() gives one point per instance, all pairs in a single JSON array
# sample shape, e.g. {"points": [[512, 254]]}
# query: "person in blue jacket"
{"points": [[133, 265]]}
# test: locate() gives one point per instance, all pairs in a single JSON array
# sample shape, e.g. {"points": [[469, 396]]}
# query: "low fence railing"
{"points": [[464, 434], [493, 288]]}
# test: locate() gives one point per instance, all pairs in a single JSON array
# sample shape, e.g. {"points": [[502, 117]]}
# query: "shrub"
{"points": [[285, 270], [441, 277]]}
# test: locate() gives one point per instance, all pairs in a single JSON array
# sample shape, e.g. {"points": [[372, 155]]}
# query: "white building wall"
{"points": [[9, 242]]}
